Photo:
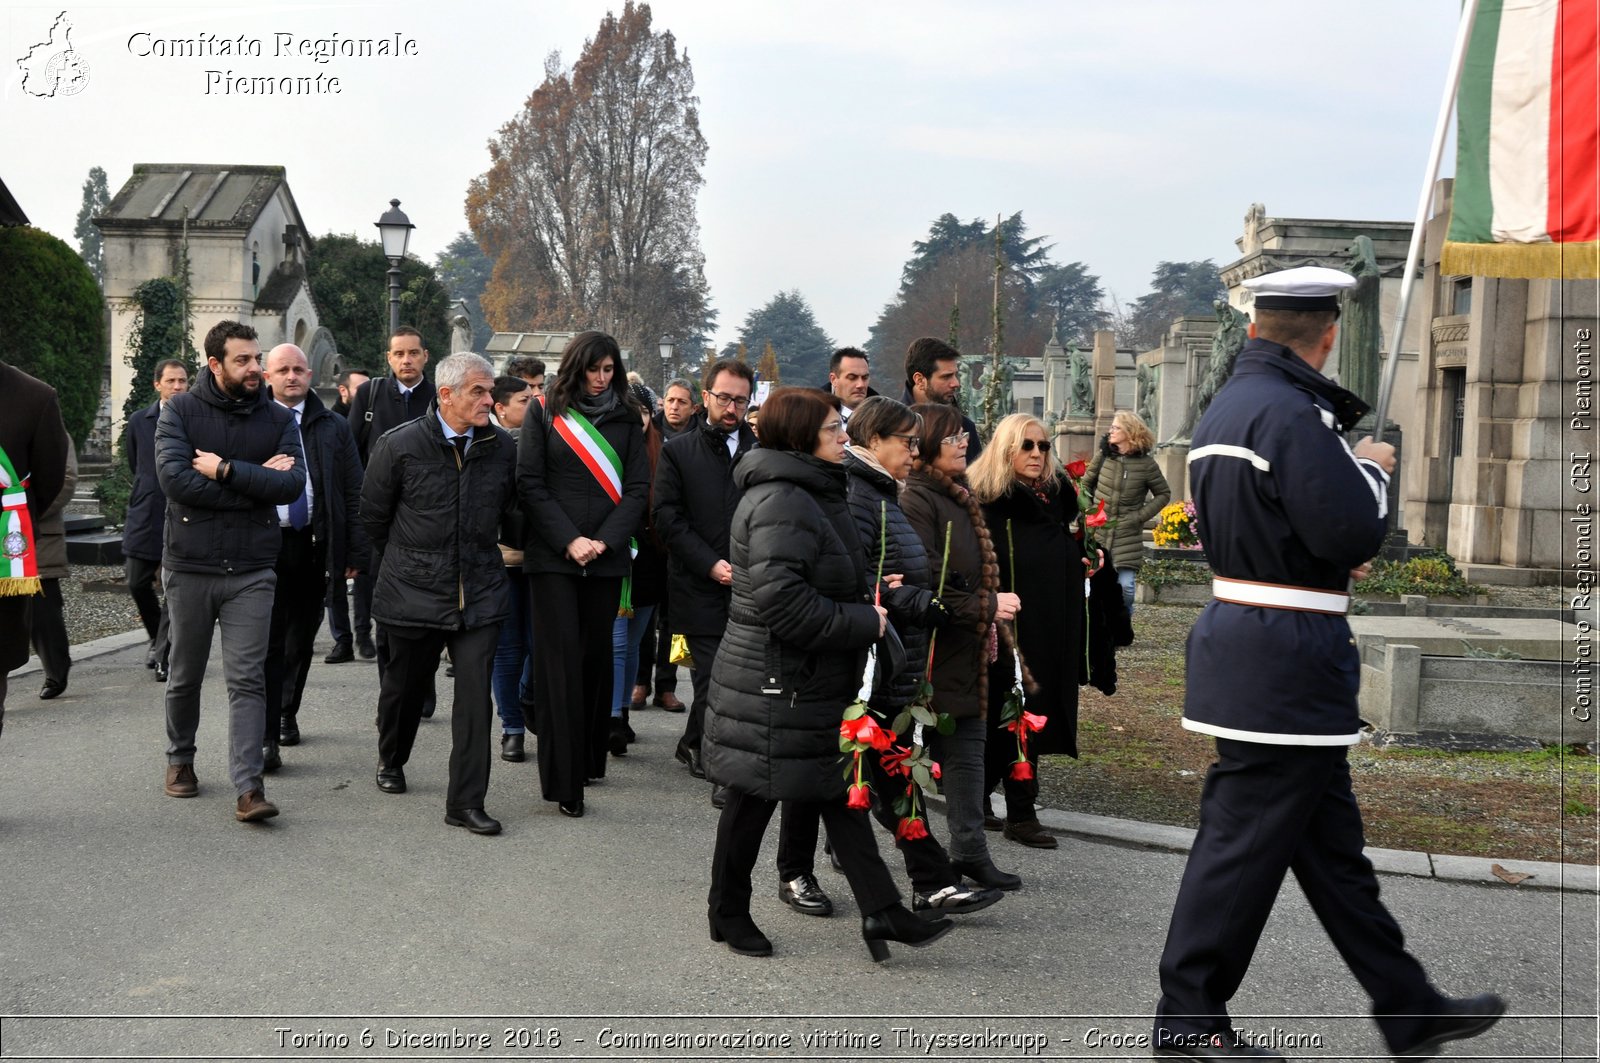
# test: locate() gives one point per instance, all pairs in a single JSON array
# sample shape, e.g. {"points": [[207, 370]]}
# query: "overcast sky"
{"points": [[1128, 132]]}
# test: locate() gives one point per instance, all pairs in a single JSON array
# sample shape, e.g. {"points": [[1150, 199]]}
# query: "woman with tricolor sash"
{"points": [[583, 478]]}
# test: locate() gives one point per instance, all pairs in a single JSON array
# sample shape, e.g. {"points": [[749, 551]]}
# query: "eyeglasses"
{"points": [[738, 402], [1028, 445], [958, 440], [912, 443], [832, 427]]}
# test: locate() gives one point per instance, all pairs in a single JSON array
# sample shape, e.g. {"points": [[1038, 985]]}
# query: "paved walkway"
{"points": [[358, 911]]}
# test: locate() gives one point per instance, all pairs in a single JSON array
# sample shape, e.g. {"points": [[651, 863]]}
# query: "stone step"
{"points": [[95, 548]]}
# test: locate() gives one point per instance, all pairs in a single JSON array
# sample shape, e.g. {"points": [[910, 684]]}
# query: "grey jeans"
{"points": [[960, 757], [242, 604]]}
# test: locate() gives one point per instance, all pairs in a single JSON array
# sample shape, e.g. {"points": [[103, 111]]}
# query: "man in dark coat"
{"points": [[33, 466], [694, 501], [435, 492], [226, 456], [380, 404], [1287, 511], [146, 519], [338, 600], [321, 538]]}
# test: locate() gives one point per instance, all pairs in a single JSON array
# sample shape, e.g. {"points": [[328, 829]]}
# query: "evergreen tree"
{"points": [[96, 198], [1178, 289], [787, 323], [464, 270]]}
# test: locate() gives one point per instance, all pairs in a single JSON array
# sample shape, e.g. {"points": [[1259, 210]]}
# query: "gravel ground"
{"points": [[98, 613]]}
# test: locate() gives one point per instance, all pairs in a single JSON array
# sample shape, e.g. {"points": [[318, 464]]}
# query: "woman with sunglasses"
{"points": [[1030, 507], [1127, 479], [944, 512], [799, 624]]}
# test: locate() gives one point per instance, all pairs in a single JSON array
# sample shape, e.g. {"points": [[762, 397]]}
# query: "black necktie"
{"points": [[405, 404], [461, 448]]}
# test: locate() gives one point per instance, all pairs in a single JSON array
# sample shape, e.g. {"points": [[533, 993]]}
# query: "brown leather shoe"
{"points": [[181, 781], [254, 806], [640, 694], [669, 701], [1031, 834]]}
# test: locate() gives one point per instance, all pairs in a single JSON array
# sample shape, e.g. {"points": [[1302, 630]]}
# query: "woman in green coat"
{"points": [[1127, 479]]}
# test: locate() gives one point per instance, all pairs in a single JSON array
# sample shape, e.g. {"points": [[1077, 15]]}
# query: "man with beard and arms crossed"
{"points": [[227, 456], [1288, 513], [321, 539], [933, 375], [435, 493], [146, 520]]}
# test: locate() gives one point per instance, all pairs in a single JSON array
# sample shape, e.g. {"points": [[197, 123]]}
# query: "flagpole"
{"points": [[1469, 12]]}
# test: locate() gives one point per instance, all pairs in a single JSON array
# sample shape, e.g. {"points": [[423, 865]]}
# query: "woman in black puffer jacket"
{"points": [[791, 659], [883, 444]]}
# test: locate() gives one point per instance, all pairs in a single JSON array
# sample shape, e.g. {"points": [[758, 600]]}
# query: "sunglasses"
{"points": [[1028, 446]]}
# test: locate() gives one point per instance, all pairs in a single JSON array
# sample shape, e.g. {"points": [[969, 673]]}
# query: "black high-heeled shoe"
{"points": [[740, 933], [896, 923]]}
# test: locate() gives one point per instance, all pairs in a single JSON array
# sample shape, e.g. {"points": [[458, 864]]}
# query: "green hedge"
{"points": [[52, 321]]}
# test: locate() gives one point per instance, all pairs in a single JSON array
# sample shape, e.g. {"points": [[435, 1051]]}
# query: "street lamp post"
{"points": [[394, 228], [666, 345]]}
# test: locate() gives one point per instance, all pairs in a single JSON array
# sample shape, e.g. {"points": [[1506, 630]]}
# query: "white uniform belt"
{"points": [[1279, 596]]}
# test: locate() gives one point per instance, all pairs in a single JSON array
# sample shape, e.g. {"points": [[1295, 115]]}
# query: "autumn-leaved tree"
{"points": [[588, 206], [767, 369]]}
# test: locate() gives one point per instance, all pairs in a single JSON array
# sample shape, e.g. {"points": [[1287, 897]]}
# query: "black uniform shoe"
{"points": [[52, 689], [288, 731], [474, 819], [270, 759], [617, 738], [511, 749], [366, 648], [805, 896], [161, 671], [1464, 1017], [391, 780], [341, 653]]}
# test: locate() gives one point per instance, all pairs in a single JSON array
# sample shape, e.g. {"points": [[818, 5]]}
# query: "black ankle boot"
{"points": [[896, 923], [984, 873], [742, 935]]}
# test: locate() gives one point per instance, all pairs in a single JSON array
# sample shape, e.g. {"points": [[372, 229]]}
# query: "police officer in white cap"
{"points": [[1288, 512]]}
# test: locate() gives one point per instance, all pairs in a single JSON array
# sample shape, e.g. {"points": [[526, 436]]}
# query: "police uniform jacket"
{"points": [[1269, 465]]}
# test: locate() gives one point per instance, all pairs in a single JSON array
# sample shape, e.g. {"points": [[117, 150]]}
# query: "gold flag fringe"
{"points": [[20, 586], [1572, 261]]}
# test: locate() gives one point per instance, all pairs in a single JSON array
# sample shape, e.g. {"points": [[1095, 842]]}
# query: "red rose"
{"points": [[1034, 722], [859, 797], [1077, 469], [1022, 771], [1097, 519], [911, 829], [933, 769]]}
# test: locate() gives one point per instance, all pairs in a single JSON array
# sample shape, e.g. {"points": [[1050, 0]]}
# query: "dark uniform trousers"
{"points": [[743, 825], [1267, 809], [296, 615], [141, 575], [413, 658], [572, 621]]}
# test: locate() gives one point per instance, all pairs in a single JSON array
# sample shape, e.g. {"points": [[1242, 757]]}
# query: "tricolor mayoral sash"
{"points": [[605, 465], [19, 558]]}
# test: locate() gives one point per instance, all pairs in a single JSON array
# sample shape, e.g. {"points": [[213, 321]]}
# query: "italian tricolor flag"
{"points": [[1527, 200]]}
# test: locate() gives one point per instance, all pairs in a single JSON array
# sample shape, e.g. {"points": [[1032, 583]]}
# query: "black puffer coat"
{"points": [[228, 527], [798, 631], [872, 494], [960, 673], [434, 522]]}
